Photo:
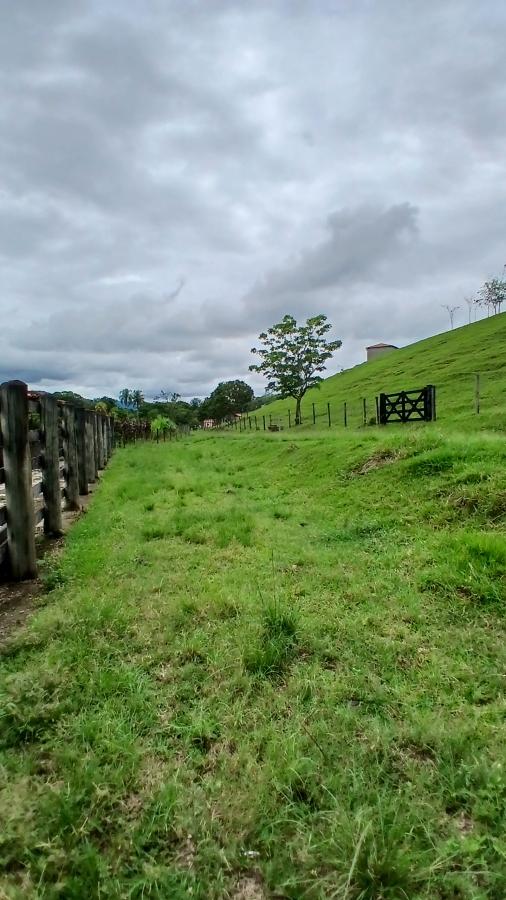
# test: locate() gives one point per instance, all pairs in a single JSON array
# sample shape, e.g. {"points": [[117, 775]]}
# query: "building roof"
{"points": [[377, 346]]}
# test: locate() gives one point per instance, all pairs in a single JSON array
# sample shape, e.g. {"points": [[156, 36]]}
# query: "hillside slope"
{"points": [[449, 360]]}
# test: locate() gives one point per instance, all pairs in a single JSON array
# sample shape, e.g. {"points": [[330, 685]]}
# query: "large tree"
{"points": [[293, 356], [228, 398]]}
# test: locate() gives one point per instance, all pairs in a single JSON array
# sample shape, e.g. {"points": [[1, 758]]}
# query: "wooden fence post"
{"points": [[90, 449], [477, 393], [105, 453], [345, 414], [107, 439], [18, 479], [82, 461], [314, 415], [101, 441], [49, 414], [71, 463], [364, 408], [328, 413], [96, 442]]}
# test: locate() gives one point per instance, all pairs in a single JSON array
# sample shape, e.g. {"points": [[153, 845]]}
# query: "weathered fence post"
{"points": [[477, 393], [96, 443], [104, 439], [50, 464], [94, 418], [289, 419], [101, 446], [263, 417], [18, 479], [71, 463], [345, 413], [314, 415], [90, 448], [328, 413], [82, 459]]}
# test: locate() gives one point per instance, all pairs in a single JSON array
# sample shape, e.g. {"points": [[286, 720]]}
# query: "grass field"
{"points": [[449, 360], [267, 666]]}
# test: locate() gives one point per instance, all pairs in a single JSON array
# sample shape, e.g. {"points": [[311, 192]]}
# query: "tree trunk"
{"points": [[297, 411]]}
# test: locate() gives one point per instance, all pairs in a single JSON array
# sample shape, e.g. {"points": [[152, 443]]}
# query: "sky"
{"points": [[176, 175]]}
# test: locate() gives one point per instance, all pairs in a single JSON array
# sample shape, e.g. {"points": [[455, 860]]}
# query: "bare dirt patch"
{"points": [[249, 887], [376, 461]]}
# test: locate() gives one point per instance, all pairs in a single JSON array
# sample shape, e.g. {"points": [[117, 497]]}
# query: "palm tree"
{"points": [[137, 399], [125, 397]]}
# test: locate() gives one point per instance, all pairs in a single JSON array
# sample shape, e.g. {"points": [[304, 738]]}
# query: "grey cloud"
{"points": [[358, 243]]}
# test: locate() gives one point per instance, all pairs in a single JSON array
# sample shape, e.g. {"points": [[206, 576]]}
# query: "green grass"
{"points": [[267, 666], [449, 360]]}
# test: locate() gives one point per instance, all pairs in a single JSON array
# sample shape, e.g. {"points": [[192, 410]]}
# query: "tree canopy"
{"points": [[293, 356], [229, 398], [492, 295]]}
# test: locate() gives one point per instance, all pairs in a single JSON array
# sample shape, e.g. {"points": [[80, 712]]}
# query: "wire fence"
{"points": [[470, 394]]}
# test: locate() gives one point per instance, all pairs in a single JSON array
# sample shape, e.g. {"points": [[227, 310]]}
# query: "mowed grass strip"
{"points": [[267, 666]]}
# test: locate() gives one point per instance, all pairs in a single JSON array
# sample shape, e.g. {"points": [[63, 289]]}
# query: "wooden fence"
{"points": [[50, 453]]}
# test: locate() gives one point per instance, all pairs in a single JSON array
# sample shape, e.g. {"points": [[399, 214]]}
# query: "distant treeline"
{"points": [[227, 400]]}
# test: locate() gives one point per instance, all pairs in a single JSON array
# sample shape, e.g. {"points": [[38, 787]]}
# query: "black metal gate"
{"points": [[407, 406]]}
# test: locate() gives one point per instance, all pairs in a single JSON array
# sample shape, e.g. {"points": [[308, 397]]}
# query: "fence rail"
{"points": [[50, 452]]}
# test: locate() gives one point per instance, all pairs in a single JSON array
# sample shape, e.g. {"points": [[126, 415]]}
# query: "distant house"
{"points": [[378, 350]]}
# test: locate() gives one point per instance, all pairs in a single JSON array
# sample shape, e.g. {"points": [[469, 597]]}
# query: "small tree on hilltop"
{"points": [[294, 355], [492, 295]]}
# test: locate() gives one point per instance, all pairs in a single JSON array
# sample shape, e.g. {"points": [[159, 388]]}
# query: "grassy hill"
{"points": [[267, 666], [449, 360]]}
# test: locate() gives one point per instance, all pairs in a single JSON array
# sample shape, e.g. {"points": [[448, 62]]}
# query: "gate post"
{"points": [[382, 409]]}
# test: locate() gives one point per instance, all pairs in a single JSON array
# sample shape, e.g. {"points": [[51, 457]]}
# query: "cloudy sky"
{"points": [[175, 175]]}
